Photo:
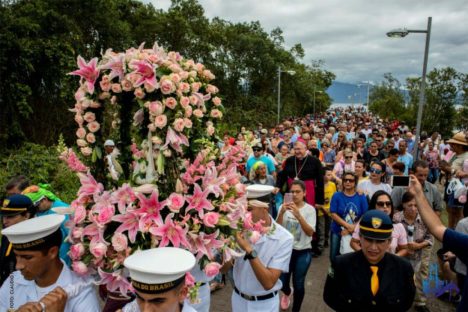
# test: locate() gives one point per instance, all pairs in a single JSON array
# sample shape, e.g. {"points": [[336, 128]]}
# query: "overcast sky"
{"points": [[349, 35]]}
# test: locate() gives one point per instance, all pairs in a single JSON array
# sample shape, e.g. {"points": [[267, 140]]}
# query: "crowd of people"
{"points": [[332, 185]]}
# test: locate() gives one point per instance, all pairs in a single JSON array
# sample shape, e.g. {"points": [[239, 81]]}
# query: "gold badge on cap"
{"points": [[376, 222], [6, 202]]}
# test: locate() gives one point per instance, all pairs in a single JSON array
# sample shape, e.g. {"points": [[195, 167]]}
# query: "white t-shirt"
{"points": [[301, 239], [370, 188]]}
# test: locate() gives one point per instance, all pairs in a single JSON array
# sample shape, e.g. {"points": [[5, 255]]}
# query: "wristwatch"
{"points": [[251, 255]]}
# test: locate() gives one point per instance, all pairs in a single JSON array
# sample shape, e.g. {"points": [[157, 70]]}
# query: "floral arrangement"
{"points": [[177, 191]]}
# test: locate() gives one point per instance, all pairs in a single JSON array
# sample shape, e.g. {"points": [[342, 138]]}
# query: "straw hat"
{"points": [[458, 138]]}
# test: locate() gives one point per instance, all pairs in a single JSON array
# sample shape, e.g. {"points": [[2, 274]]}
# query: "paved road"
{"points": [[313, 302]]}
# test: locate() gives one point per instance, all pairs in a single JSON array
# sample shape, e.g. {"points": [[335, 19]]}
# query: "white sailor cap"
{"points": [[109, 143], [159, 270], [257, 191], [36, 233]]}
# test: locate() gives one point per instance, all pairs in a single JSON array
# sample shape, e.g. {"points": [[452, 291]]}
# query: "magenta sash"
{"points": [[310, 190]]}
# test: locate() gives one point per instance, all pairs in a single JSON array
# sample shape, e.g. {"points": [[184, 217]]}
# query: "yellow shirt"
{"points": [[329, 190]]}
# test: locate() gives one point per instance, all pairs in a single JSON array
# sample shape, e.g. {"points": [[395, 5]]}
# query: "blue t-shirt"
{"points": [[65, 247], [349, 208], [267, 161], [407, 159], [457, 243]]}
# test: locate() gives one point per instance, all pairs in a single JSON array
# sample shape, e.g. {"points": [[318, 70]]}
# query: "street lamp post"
{"points": [[315, 91], [291, 72], [400, 33]]}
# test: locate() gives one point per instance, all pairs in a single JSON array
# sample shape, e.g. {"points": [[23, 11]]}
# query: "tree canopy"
{"points": [[41, 40]]}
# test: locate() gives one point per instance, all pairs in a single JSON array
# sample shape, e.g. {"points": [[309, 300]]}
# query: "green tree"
{"points": [[439, 107], [386, 99], [461, 120]]}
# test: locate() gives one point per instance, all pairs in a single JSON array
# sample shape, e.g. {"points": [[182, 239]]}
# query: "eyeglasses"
{"points": [[256, 149], [381, 203], [348, 180], [373, 170], [348, 157]]}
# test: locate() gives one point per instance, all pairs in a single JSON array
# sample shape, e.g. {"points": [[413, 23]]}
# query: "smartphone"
{"points": [[400, 181], [288, 198]]}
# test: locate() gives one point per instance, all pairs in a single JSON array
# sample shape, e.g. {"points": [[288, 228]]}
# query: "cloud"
{"points": [[350, 35]]}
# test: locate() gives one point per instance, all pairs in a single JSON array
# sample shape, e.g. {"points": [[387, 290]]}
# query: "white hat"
{"points": [[258, 190], [109, 143], [159, 270], [33, 233]]}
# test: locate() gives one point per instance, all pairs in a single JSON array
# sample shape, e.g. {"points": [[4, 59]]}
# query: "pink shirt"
{"points": [[399, 237]]}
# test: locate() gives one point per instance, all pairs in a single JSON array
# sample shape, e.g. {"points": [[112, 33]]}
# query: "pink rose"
{"points": [[167, 86], [171, 102], [184, 87], [175, 68], [199, 67], [194, 100], [81, 143], [188, 111], [187, 123], [105, 215], [216, 101], [94, 126], [79, 119], [126, 85], [212, 269], [76, 251], [98, 249], [179, 124], [175, 202], [211, 89], [86, 151], [160, 121], [183, 75], [90, 138], [195, 86], [149, 87], [105, 85], [198, 113], [81, 133], [139, 93], [89, 117], [193, 74], [184, 101], [94, 104], [79, 268], [79, 94], [105, 78], [156, 108], [216, 113], [175, 78], [208, 74], [116, 88], [119, 242], [210, 219], [77, 233]]}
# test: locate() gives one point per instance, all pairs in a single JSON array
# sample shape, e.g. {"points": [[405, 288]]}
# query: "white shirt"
{"points": [[26, 291], [133, 307], [274, 251], [370, 188], [301, 239]]}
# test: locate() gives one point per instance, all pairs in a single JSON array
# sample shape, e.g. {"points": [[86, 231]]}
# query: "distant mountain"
{"points": [[347, 93]]}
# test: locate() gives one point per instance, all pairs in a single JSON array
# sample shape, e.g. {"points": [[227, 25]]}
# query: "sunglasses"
{"points": [[348, 157], [381, 204], [373, 170], [348, 180], [256, 149]]}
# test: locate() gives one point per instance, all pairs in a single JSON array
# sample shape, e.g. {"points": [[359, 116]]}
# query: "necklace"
{"points": [[300, 169]]}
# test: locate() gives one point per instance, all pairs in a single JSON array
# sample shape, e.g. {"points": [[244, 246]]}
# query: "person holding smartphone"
{"points": [[299, 218]]}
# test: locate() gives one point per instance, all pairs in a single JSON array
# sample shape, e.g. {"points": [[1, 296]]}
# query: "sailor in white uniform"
{"points": [[257, 275], [158, 277], [42, 281]]}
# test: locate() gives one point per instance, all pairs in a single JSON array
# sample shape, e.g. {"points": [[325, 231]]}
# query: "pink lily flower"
{"points": [[115, 281], [175, 140], [130, 223], [205, 244], [212, 182], [116, 63], [172, 232], [88, 71], [199, 201], [123, 196], [150, 207], [89, 186], [95, 233], [146, 71]]}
